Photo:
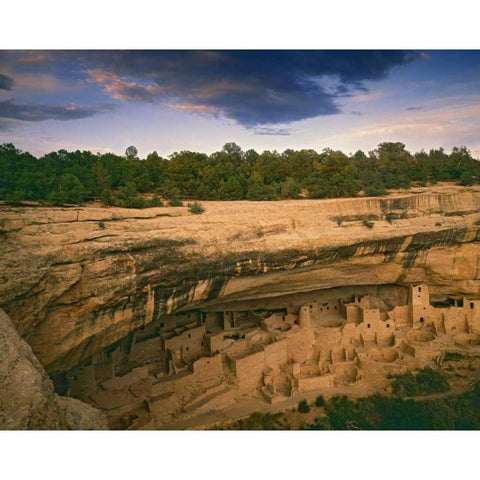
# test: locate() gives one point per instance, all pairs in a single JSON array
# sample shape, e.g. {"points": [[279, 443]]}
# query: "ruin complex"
{"points": [[164, 320], [180, 366]]}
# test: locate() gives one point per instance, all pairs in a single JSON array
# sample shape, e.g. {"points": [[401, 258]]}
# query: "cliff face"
{"points": [[27, 397], [75, 280]]}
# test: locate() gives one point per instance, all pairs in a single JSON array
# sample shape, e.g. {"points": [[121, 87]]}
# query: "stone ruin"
{"points": [[181, 366]]}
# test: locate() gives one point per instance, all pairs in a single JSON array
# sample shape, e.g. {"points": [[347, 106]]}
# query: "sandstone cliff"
{"points": [[75, 280], [27, 398]]}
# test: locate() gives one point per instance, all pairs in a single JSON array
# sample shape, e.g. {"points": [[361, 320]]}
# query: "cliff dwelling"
{"points": [[182, 366], [163, 322]]}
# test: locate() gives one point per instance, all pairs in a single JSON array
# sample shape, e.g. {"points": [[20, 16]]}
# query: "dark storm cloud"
{"points": [[253, 87], [6, 82], [37, 113]]}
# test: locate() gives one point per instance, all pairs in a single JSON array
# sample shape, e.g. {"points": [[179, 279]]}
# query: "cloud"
{"points": [[251, 87], [38, 112], [121, 89], [200, 109], [450, 122], [272, 131], [6, 83], [414, 108], [424, 56], [35, 57]]}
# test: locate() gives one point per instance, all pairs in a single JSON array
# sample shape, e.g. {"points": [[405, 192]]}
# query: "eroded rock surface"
{"points": [[27, 397], [76, 280]]}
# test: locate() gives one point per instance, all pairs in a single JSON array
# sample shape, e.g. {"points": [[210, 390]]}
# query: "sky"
{"points": [[173, 100]]}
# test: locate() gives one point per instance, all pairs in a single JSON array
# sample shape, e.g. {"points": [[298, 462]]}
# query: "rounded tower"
{"points": [[305, 317]]}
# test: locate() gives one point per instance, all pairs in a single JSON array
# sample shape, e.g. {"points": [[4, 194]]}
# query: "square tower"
{"points": [[419, 305]]}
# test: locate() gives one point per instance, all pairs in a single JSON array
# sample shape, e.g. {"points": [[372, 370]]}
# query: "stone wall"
{"points": [[207, 367], [248, 371], [315, 383]]}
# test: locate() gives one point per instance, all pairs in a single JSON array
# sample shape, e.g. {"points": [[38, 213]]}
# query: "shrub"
{"points": [[320, 401], [68, 189], [15, 198], [155, 201], [290, 188], [175, 202], [339, 220], [391, 216], [375, 190], [453, 356], [303, 407], [258, 421], [368, 223], [134, 202], [106, 197], [101, 225], [196, 208], [424, 382], [467, 178]]}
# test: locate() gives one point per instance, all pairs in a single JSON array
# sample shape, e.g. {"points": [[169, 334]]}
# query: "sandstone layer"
{"points": [[27, 397], [76, 280]]}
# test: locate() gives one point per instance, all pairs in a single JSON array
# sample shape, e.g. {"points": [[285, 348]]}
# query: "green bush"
{"points": [[15, 198], [134, 202], [375, 191], [155, 201], [101, 225], [379, 412], [196, 208], [303, 407], [339, 220], [453, 356], [106, 197], [320, 401], [368, 223], [425, 381], [259, 421], [259, 191], [175, 202], [68, 189], [390, 216]]}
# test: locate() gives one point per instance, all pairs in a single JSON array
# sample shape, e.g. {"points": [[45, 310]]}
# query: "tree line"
{"points": [[64, 177]]}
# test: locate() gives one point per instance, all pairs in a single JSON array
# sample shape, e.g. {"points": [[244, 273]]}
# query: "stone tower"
{"points": [[305, 317], [419, 305]]}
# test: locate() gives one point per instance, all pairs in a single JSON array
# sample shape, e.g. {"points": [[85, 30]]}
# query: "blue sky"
{"points": [[198, 100]]}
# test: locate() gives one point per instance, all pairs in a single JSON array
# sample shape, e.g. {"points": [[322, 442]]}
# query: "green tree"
{"points": [[233, 149], [131, 152], [69, 189], [290, 188], [230, 190]]}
